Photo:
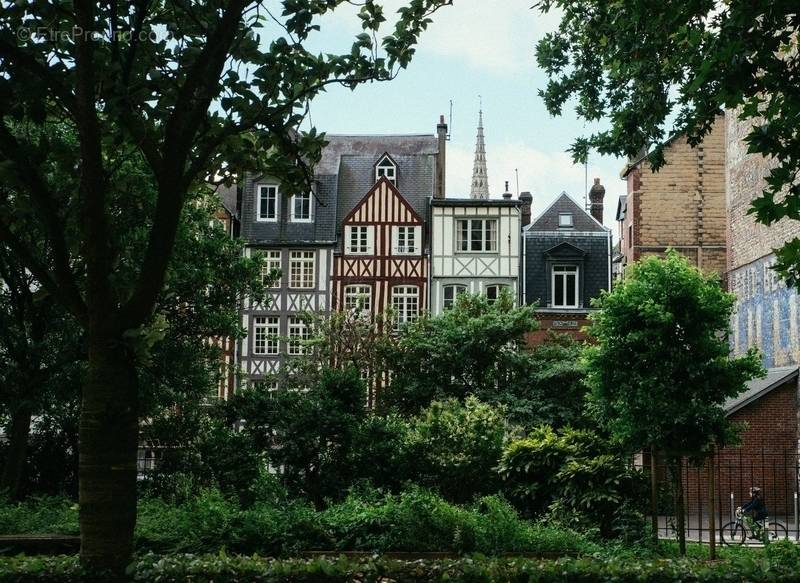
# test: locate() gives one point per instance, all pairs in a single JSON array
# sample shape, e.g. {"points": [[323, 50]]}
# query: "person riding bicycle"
{"points": [[756, 511]]}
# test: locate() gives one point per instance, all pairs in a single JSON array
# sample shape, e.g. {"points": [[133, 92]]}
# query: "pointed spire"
{"points": [[480, 182]]}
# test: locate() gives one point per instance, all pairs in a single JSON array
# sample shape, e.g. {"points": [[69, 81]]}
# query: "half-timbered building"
{"points": [[295, 235], [382, 263], [475, 248]]}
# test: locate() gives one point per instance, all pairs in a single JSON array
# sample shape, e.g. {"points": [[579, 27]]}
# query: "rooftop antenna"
{"points": [[586, 183], [516, 172], [450, 124]]}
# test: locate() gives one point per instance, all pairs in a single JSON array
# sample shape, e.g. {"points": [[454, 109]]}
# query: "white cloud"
{"points": [[544, 174]]}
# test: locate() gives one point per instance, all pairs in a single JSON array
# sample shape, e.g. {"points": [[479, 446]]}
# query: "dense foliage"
{"points": [[234, 569], [640, 64], [577, 477]]}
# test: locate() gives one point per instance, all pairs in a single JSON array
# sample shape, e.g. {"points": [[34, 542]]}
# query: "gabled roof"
{"points": [[757, 388], [565, 249], [391, 208], [583, 221]]}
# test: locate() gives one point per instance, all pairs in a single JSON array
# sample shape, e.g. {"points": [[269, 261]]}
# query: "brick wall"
{"points": [[570, 324], [767, 457], [681, 206]]}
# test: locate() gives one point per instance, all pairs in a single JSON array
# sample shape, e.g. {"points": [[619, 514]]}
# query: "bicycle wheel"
{"points": [[777, 531], [732, 534]]}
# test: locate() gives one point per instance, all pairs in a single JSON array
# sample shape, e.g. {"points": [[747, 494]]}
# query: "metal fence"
{"points": [[735, 471]]}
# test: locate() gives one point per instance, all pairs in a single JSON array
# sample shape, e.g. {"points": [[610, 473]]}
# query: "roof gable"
{"points": [[565, 250], [582, 220], [383, 204]]}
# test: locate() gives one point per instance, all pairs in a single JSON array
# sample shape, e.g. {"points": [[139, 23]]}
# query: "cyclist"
{"points": [[755, 512]]}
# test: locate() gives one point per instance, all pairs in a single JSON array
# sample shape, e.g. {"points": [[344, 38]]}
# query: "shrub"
{"points": [[39, 515], [234, 569]]}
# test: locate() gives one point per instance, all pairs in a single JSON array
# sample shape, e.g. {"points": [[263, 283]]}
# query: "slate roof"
{"points": [[757, 388], [622, 207], [351, 160], [583, 222], [228, 194]]}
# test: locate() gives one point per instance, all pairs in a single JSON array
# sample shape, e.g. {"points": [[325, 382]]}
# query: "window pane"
{"points": [[476, 236], [558, 300], [462, 242], [570, 291], [491, 236]]}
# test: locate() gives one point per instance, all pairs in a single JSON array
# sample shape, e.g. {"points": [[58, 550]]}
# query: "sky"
{"points": [[474, 48]]}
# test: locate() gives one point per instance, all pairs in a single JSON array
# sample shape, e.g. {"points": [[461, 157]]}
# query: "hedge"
{"points": [[233, 569]]}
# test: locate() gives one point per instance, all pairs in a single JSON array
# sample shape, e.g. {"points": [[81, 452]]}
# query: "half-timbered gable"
{"points": [[382, 262]]}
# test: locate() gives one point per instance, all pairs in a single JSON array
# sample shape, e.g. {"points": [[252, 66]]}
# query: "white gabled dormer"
{"points": [[386, 167]]}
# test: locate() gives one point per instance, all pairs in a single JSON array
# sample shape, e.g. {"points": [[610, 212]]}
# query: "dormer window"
{"points": [[565, 221], [386, 167]]}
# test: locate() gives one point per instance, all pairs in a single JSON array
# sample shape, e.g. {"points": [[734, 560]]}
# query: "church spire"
{"points": [[480, 183]]}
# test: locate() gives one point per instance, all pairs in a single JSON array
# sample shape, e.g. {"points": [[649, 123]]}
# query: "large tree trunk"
{"points": [[107, 462], [18, 433]]}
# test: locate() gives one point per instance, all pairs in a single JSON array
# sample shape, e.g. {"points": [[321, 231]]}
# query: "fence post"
{"points": [[733, 513], [653, 493], [796, 529], [712, 527]]}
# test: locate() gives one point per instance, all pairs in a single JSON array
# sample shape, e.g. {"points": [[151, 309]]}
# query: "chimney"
{"points": [[507, 195], [527, 199], [596, 195], [441, 135]]}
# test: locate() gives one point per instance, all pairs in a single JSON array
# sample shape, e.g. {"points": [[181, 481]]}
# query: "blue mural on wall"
{"points": [[766, 314]]}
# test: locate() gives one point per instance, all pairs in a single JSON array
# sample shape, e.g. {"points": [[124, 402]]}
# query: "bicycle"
{"points": [[737, 531]]}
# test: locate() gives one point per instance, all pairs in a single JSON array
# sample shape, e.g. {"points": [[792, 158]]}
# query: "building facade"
{"points": [[296, 235], [382, 263], [475, 248], [682, 206], [567, 263], [767, 313]]}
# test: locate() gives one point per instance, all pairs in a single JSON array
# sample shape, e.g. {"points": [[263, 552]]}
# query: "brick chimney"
{"points": [[596, 195], [441, 135], [527, 200]]}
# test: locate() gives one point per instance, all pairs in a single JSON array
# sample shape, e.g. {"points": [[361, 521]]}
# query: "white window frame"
{"points": [[259, 218], [564, 269], [272, 260], [365, 239], [355, 292], [405, 303], [266, 332], [488, 237], [566, 221], [400, 234], [302, 267], [385, 167], [457, 288], [310, 217], [498, 287], [298, 332]]}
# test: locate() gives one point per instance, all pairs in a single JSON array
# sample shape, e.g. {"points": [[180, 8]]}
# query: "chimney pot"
{"points": [[596, 195]]}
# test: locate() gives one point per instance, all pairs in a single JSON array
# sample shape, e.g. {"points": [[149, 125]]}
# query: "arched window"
{"points": [[358, 297], [450, 293], [405, 301], [493, 292]]}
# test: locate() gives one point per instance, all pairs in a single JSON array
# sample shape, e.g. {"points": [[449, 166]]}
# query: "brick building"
{"points": [[682, 206], [767, 312]]}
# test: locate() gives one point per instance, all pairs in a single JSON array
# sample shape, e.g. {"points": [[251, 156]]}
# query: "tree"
{"points": [[470, 349], [660, 370], [641, 64], [189, 88]]}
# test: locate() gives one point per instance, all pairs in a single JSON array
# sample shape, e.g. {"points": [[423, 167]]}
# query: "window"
{"points": [[301, 208], [265, 334], [358, 297], [406, 240], [267, 203], [476, 235], [386, 168], [359, 240], [301, 269], [493, 292], [272, 263], [565, 286], [405, 302], [565, 220], [450, 293], [298, 334], [630, 235]]}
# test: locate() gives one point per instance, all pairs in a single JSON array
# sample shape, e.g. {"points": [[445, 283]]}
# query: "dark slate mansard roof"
{"points": [[583, 222]]}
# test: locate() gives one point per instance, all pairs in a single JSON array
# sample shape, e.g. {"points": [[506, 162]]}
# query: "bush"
{"points": [[577, 477], [234, 569], [39, 515]]}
